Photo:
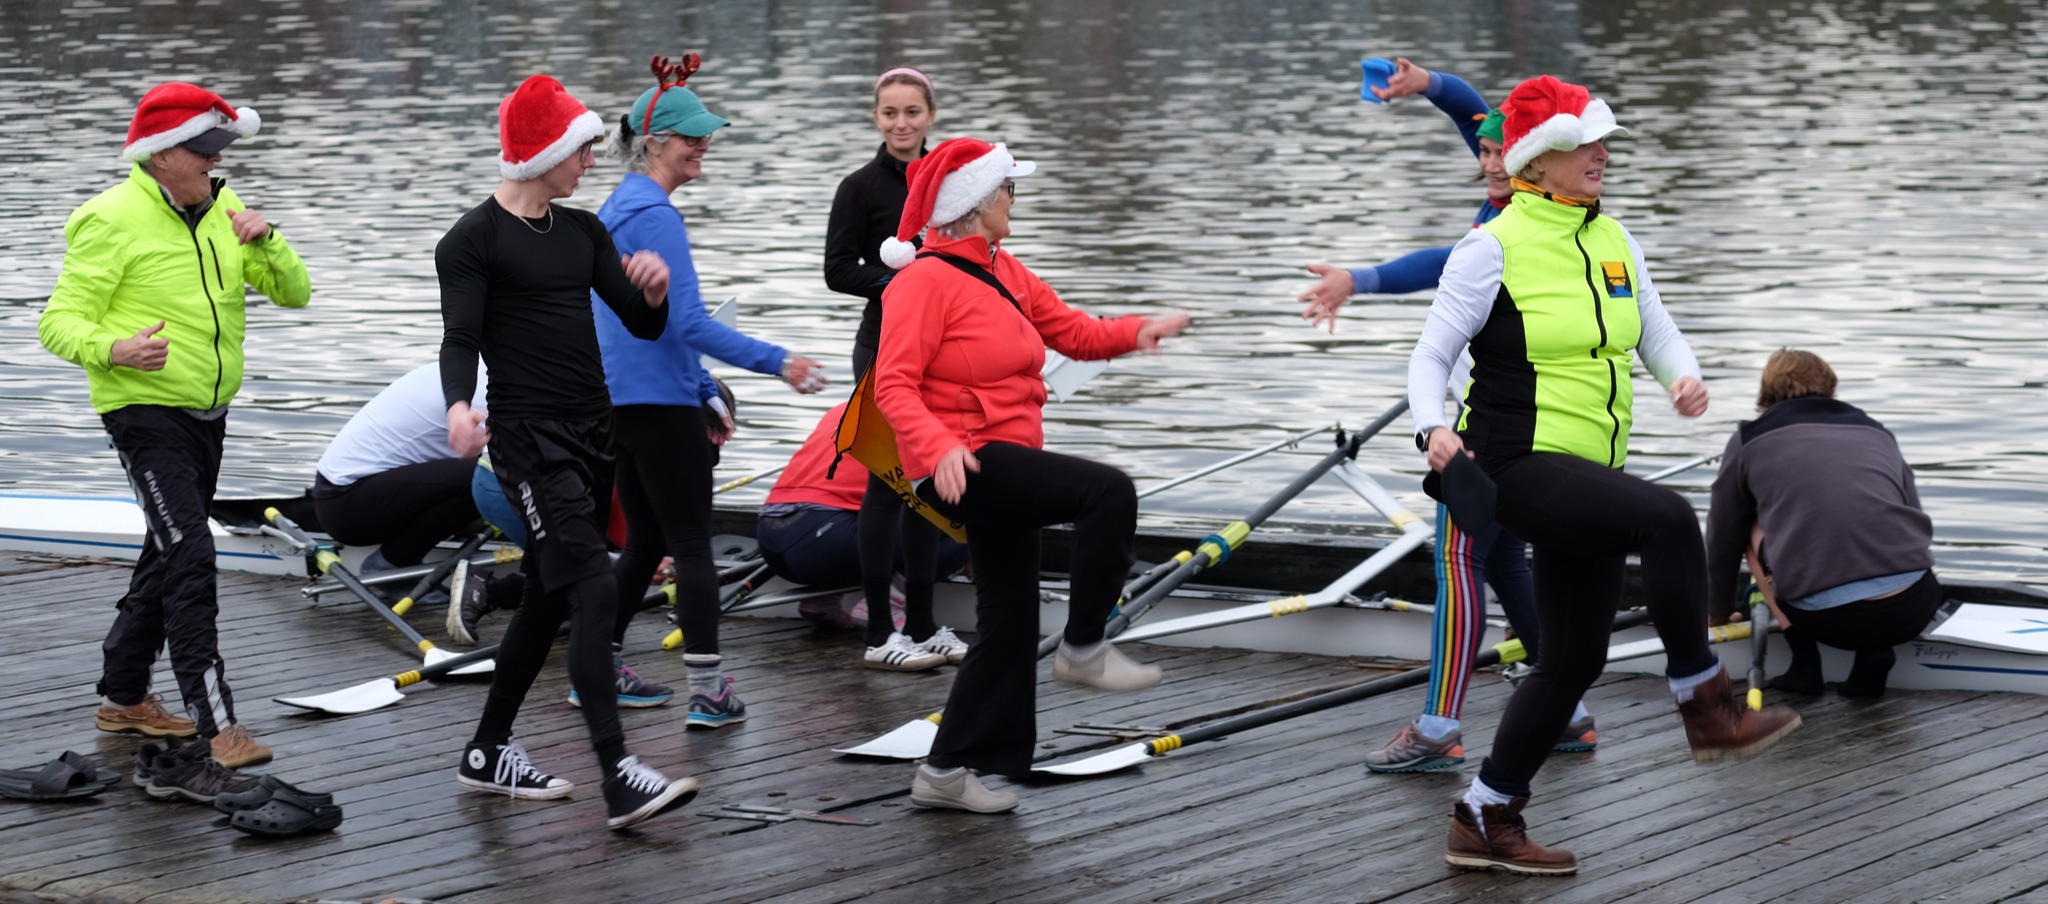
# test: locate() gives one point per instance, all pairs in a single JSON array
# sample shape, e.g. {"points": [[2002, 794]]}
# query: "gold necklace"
{"points": [[551, 221]]}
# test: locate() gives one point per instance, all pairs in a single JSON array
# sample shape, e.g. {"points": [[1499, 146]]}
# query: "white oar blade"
{"points": [[359, 699], [911, 741], [437, 656], [1065, 376], [1102, 763]]}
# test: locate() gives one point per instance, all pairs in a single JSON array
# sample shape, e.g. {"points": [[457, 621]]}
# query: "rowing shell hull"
{"points": [[112, 528]]}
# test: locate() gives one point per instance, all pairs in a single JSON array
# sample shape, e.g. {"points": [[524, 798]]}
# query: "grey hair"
{"points": [[630, 149], [965, 226]]}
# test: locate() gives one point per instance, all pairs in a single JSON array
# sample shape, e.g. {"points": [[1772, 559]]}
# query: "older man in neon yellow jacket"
{"points": [[151, 302]]}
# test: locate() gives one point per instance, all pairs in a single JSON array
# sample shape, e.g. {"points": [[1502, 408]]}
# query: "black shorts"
{"points": [[558, 477]]}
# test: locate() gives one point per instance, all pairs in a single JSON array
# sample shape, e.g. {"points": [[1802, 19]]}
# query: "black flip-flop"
{"points": [[72, 776], [1469, 494], [289, 812]]}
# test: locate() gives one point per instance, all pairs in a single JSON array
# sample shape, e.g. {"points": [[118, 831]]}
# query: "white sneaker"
{"points": [[899, 654], [957, 789], [1103, 667], [945, 643]]}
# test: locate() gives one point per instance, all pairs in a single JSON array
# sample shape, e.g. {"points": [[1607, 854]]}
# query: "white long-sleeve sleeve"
{"points": [[1464, 299], [1663, 348]]}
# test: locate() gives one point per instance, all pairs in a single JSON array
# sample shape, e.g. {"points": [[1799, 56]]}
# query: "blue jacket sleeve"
{"points": [[1412, 272], [686, 304], [1461, 103]]}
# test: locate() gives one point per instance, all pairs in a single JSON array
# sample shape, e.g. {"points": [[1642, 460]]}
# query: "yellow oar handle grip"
{"points": [[1288, 606], [673, 640], [934, 718], [1161, 746], [1728, 632], [402, 606], [1511, 651], [327, 559], [271, 514], [408, 679], [1756, 698]]}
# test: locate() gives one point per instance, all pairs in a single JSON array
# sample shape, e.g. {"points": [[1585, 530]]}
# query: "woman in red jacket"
{"points": [[965, 328]]}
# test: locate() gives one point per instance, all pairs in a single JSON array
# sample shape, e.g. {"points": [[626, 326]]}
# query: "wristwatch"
{"points": [[1422, 438]]}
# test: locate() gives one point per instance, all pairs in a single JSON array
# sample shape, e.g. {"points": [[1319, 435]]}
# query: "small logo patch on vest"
{"points": [[1617, 279]]}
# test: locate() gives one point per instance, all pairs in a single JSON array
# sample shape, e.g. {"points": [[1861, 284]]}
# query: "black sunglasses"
{"points": [[1010, 185]]}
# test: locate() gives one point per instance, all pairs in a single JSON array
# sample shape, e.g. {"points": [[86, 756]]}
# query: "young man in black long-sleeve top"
{"points": [[516, 276]]}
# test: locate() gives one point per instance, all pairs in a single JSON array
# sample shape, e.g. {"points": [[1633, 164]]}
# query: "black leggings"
{"points": [[991, 720], [408, 509], [889, 536], [1582, 520], [665, 462]]}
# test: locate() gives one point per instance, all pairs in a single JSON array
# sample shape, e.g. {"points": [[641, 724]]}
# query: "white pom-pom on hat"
{"points": [[898, 253]]}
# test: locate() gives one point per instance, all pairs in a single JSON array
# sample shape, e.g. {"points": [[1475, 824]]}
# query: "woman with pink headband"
{"points": [[865, 212]]}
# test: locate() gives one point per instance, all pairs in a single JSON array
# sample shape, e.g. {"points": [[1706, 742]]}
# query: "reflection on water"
{"points": [[1864, 178]]}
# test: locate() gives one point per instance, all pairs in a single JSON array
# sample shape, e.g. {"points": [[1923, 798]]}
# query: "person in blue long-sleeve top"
{"points": [[1463, 561], [668, 411]]}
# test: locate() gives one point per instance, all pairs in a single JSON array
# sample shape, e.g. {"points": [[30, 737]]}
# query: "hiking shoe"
{"points": [[1412, 751], [1103, 667], [1718, 724], [504, 768], [234, 748], [1497, 837], [957, 789], [634, 693], [1578, 737], [638, 793], [189, 772], [945, 643], [899, 654], [469, 597], [723, 708], [147, 755], [148, 717]]}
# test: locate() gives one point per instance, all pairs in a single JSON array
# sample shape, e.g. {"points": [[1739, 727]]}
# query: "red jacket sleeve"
{"points": [[1066, 330]]}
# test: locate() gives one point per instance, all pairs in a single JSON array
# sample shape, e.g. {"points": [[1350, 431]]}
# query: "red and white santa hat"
{"points": [[1544, 114], [945, 185], [540, 125], [174, 113]]}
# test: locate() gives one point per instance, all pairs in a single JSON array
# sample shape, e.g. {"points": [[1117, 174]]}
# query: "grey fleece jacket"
{"points": [[1833, 493]]}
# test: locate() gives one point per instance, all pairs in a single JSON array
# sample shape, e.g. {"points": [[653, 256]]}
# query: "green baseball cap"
{"points": [[1490, 127], [677, 111]]}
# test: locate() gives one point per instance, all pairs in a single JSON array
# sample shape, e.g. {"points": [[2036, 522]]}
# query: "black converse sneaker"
{"points": [[505, 769], [638, 793]]}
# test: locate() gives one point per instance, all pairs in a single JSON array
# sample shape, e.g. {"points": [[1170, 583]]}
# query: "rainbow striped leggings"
{"points": [[1464, 562]]}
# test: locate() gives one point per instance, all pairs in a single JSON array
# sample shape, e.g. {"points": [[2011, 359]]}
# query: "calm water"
{"points": [[1863, 178]]}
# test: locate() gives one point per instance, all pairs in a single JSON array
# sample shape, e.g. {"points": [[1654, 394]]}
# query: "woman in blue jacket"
{"points": [[670, 419]]}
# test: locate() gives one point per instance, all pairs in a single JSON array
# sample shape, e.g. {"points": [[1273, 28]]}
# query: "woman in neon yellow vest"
{"points": [[1553, 299]]}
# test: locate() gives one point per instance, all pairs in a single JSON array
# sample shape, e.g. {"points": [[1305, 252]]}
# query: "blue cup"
{"points": [[1377, 71]]}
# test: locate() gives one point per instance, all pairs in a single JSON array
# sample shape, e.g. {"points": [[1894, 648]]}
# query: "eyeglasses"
{"points": [[1010, 186]]}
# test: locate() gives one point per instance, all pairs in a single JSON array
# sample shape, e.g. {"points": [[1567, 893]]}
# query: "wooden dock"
{"points": [[1922, 796]]}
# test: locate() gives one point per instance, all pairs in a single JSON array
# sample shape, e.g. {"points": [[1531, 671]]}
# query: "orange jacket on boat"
{"points": [[959, 365], [805, 481]]}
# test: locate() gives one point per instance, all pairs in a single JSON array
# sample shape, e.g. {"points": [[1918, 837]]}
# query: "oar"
{"points": [[747, 584], [1414, 534], [1759, 635], [913, 740], [383, 692], [503, 555], [329, 563], [1133, 754], [441, 570], [738, 482], [1235, 533], [1231, 462]]}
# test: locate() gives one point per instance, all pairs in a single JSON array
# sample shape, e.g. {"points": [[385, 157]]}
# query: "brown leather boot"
{"points": [[1718, 724], [1505, 842]]}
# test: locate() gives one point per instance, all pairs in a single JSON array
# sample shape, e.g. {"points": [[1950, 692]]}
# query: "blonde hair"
{"points": [[1792, 373]]}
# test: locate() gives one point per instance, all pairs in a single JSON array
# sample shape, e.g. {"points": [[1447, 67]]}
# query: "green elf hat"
{"points": [[1490, 124]]}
